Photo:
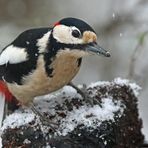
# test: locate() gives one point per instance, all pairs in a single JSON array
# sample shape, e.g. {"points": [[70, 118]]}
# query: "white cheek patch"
{"points": [[63, 34], [13, 55], [42, 42]]}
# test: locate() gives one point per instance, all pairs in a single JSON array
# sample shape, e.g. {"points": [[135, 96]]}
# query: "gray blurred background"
{"points": [[121, 25]]}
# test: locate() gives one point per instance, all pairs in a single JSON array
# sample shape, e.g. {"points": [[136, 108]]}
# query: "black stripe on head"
{"points": [[72, 46], [80, 24], [54, 45]]}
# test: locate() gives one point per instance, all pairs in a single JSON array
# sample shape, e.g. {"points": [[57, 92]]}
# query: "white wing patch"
{"points": [[42, 42], [13, 55]]}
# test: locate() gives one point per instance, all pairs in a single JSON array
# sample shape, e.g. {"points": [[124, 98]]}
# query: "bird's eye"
{"points": [[76, 33]]}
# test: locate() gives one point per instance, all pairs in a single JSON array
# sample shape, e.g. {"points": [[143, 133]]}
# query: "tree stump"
{"points": [[111, 122]]}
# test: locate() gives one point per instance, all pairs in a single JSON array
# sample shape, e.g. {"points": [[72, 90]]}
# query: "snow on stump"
{"points": [[112, 122]]}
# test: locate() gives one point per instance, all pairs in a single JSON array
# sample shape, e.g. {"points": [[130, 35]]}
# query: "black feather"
{"points": [[81, 25], [15, 72], [52, 48], [79, 62]]}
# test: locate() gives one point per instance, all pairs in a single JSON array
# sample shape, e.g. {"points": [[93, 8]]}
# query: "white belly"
{"points": [[38, 83]]}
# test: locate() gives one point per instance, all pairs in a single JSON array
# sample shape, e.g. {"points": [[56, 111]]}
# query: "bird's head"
{"points": [[77, 38]]}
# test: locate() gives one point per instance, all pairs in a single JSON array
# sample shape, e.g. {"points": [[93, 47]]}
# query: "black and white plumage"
{"points": [[43, 60], [20, 57]]}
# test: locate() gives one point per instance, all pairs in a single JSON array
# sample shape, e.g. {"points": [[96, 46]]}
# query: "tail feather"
{"points": [[5, 91], [11, 103]]}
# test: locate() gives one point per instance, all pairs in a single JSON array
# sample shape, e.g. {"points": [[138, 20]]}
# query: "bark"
{"points": [[123, 131]]}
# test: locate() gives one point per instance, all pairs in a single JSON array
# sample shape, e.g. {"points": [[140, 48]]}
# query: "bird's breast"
{"points": [[39, 83], [65, 67]]}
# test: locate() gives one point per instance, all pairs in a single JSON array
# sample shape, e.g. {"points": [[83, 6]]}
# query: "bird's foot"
{"points": [[85, 94], [45, 121]]}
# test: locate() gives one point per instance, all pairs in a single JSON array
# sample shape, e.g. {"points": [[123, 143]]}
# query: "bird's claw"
{"points": [[44, 120], [85, 95]]}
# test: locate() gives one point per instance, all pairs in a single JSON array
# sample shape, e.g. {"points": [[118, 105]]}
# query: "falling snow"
{"points": [[27, 42], [120, 34], [113, 15]]}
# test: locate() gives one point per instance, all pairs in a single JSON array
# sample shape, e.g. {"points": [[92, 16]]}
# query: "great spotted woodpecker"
{"points": [[42, 60]]}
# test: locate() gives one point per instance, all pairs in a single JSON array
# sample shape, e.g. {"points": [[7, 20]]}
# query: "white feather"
{"points": [[63, 34], [42, 42], [13, 55]]}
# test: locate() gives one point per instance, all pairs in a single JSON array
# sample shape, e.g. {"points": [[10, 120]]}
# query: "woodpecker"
{"points": [[42, 60]]}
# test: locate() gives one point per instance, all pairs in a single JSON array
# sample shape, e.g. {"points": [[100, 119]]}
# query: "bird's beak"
{"points": [[94, 48]]}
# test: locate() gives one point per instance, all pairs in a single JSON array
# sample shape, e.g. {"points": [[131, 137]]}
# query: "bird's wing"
{"points": [[20, 57], [26, 44], [13, 55]]}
